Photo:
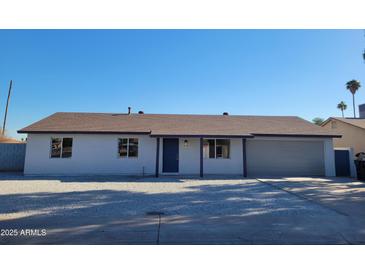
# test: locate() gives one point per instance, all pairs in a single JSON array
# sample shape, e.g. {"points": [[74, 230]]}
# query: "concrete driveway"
{"points": [[120, 210]]}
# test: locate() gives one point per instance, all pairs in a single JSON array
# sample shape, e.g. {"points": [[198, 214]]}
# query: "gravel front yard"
{"points": [[136, 196], [113, 210]]}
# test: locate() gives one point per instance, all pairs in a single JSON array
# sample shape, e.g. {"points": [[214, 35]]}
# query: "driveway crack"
{"points": [[158, 229], [157, 213], [344, 238]]}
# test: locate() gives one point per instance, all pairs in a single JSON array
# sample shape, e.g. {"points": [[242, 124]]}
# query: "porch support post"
{"points": [[201, 157], [244, 157], [157, 156]]}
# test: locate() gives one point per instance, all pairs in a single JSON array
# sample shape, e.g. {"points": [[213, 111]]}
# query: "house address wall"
{"points": [[98, 154]]}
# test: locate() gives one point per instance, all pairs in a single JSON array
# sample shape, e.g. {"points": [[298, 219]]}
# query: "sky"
{"points": [[242, 72]]}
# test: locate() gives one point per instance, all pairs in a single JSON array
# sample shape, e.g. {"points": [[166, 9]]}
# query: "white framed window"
{"points": [[128, 147], [61, 147], [216, 148]]}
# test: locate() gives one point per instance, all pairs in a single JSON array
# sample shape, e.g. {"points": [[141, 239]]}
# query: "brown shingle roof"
{"points": [[175, 124]]}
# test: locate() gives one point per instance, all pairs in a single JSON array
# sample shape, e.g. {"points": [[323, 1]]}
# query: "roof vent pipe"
{"points": [[140, 112], [129, 110], [225, 113]]}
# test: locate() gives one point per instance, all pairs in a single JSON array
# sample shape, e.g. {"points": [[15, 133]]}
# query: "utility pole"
{"points": [[363, 54], [6, 108]]}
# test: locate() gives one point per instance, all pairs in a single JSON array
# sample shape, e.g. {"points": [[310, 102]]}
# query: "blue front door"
{"points": [[342, 162], [170, 155]]}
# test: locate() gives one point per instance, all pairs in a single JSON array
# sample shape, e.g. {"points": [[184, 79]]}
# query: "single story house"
{"points": [[164, 144], [351, 129]]}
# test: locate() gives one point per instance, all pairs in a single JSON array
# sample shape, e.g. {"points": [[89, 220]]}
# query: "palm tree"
{"points": [[342, 106], [353, 86]]}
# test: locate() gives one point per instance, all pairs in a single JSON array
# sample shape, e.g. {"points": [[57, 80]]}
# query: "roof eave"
{"points": [[298, 135], [82, 132], [202, 135], [181, 135]]}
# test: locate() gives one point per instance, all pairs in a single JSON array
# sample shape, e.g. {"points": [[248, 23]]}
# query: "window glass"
{"points": [[216, 148], [208, 148], [123, 147], [133, 141], [219, 152], [222, 148], [133, 151], [56, 144], [128, 147], [67, 148], [61, 147], [133, 147]]}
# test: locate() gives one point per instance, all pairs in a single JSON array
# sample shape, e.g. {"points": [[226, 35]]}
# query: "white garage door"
{"points": [[285, 158]]}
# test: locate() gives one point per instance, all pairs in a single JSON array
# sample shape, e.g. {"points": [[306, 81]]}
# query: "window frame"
{"points": [[61, 151], [215, 148], [128, 145]]}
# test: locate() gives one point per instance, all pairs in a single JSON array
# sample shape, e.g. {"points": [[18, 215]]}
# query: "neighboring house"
{"points": [[154, 144], [351, 129]]}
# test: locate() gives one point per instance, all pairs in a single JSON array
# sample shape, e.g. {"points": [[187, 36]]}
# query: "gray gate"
{"points": [[12, 157]]}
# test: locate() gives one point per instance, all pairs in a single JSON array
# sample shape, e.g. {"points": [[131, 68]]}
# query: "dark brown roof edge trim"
{"points": [[185, 135], [200, 136], [298, 135], [83, 132]]}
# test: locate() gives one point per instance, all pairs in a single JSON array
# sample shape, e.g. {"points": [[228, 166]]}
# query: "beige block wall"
{"points": [[351, 136]]}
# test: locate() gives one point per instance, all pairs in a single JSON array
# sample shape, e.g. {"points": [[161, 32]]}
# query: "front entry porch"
{"points": [[200, 156]]}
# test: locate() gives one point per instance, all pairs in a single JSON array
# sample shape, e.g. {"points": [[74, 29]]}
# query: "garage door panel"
{"points": [[285, 158]]}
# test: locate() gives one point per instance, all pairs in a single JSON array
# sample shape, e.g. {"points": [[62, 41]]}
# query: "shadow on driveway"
{"points": [[202, 212]]}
